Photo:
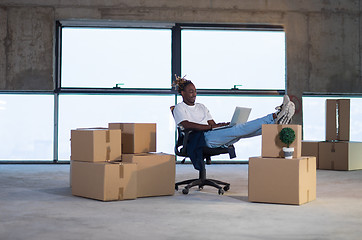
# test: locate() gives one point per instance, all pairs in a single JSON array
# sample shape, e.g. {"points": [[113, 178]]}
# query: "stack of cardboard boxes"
{"points": [[274, 179], [120, 163], [337, 152]]}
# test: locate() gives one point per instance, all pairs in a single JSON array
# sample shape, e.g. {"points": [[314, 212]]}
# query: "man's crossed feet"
{"points": [[285, 111]]}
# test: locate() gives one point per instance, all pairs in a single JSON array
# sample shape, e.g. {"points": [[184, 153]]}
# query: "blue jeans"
{"points": [[229, 136]]}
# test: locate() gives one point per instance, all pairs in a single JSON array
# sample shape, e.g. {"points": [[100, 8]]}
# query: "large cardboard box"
{"points": [[337, 119], [340, 155], [271, 144], [104, 181], [278, 180], [96, 145], [137, 137], [311, 148], [155, 173]]}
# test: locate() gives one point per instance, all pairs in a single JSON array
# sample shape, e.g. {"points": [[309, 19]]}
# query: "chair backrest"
{"points": [[182, 138]]}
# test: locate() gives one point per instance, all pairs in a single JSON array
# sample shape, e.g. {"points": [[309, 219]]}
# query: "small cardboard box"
{"points": [[155, 173], [137, 137], [96, 145], [340, 155], [271, 144], [278, 180], [104, 181], [311, 148], [337, 119]]}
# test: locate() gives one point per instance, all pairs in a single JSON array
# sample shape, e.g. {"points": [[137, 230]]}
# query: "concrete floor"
{"points": [[36, 203]]}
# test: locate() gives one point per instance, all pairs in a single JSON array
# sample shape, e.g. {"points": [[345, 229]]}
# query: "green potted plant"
{"points": [[287, 136]]}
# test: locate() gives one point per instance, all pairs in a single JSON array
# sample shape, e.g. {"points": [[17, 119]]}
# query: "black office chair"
{"points": [[181, 150]]}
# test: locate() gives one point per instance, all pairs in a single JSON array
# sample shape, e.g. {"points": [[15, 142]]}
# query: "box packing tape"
{"points": [[121, 189], [108, 136]]}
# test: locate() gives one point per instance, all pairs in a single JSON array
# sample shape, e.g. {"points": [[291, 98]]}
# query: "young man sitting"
{"points": [[195, 116]]}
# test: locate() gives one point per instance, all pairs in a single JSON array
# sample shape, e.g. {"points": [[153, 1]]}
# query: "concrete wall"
{"points": [[322, 36]]}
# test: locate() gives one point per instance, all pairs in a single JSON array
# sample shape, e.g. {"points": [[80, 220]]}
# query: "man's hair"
{"points": [[180, 83]]}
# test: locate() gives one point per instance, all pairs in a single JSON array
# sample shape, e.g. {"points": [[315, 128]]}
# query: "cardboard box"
{"points": [[104, 181], [271, 144], [337, 119], [96, 145], [311, 148], [340, 155], [278, 180], [137, 137], [155, 173]]}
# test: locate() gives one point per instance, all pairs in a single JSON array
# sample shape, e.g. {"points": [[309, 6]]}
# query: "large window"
{"points": [[26, 128], [221, 62], [104, 57], [224, 59], [82, 111], [314, 118]]}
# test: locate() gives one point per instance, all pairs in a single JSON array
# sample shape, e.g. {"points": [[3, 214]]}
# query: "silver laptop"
{"points": [[241, 115]]}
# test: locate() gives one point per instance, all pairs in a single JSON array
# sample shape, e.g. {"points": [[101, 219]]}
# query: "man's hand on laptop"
{"points": [[220, 124]]}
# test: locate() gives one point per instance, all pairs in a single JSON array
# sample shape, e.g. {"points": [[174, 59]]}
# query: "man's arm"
{"points": [[201, 127]]}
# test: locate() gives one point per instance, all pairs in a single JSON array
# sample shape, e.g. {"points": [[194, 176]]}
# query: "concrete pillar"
{"points": [[29, 48], [296, 31], [334, 52], [3, 30]]}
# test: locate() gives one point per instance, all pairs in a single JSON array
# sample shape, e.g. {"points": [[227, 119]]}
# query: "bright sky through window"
{"points": [[221, 59], [102, 58]]}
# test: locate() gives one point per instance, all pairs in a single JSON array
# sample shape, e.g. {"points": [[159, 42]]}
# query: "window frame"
{"points": [[176, 31]]}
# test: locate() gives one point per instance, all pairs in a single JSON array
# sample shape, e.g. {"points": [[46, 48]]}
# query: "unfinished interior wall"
{"points": [[3, 27], [322, 37], [29, 48]]}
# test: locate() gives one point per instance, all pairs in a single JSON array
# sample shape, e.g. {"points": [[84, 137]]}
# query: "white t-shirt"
{"points": [[197, 113]]}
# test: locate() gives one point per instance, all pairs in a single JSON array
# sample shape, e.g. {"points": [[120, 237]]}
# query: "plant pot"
{"points": [[288, 152]]}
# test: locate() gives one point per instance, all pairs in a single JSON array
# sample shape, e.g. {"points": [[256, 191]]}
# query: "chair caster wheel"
{"points": [[201, 187], [185, 191], [176, 187], [227, 187], [221, 191]]}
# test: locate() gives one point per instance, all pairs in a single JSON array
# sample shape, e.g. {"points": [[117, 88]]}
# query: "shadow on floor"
{"points": [[63, 191], [241, 198]]}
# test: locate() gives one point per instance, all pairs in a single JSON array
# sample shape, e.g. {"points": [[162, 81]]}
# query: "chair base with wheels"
{"points": [[202, 180]]}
